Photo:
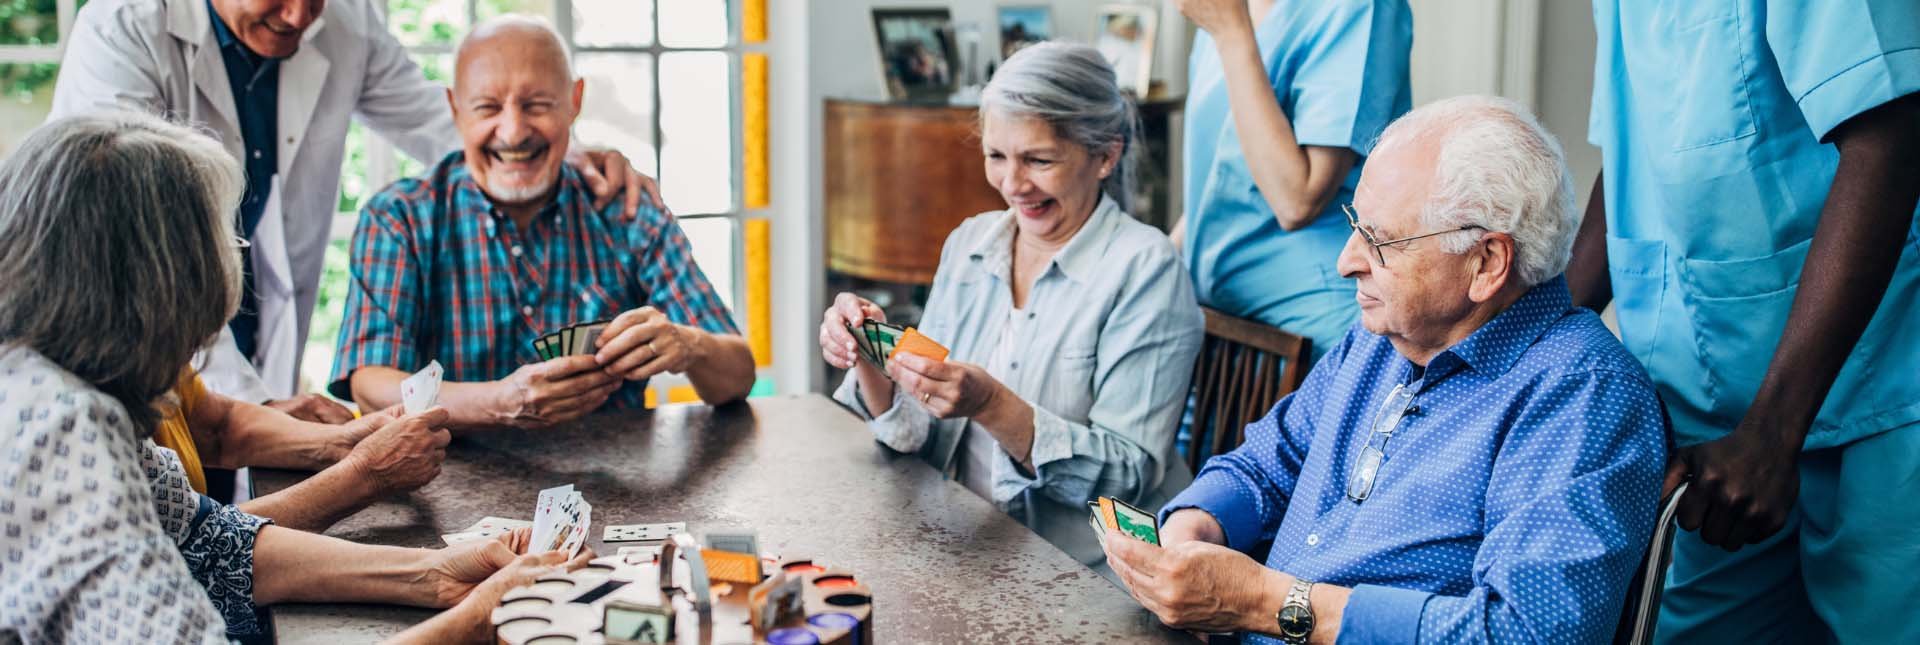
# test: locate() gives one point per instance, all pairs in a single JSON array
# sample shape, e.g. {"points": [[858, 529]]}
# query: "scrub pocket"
{"points": [[1738, 309], [1638, 269]]}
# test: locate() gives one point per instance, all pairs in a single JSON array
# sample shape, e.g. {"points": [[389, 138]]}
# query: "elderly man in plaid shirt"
{"points": [[499, 244]]}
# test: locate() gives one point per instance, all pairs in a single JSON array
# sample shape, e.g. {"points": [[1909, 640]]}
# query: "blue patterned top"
{"points": [[1516, 497]]}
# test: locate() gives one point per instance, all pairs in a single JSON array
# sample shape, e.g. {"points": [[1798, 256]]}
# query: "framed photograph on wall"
{"points": [[1124, 35], [917, 53], [1022, 25]]}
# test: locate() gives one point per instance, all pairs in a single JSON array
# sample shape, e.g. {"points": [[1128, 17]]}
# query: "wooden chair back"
{"points": [[1244, 368]]}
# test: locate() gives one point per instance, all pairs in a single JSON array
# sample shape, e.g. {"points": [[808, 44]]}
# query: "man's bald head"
{"points": [[514, 99], [524, 39]]}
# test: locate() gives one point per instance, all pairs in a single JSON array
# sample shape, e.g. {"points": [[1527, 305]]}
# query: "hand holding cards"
{"points": [[560, 521], [880, 342]]}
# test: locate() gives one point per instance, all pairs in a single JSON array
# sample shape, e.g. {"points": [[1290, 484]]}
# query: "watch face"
{"points": [[1296, 622]]}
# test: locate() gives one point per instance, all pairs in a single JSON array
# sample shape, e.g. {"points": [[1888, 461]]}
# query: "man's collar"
{"points": [[1077, 260], [222, 35], [1496, 346]]}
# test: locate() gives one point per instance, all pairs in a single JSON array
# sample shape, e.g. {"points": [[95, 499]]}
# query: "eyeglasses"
{"points": [[1366, 466], [1353, 220]]}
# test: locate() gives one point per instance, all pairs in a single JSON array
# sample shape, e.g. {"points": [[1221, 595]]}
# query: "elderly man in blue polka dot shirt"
{"points": [[1476, 461]]}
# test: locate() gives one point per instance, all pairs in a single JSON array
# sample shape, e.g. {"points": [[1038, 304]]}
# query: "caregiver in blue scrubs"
{"points": [[1285, 99], [1757, 234]]}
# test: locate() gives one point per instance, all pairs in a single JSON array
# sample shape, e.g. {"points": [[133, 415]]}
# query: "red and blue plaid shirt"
{"points": [[439, 273]]}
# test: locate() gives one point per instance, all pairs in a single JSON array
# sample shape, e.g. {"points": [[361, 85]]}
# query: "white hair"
{"points": [[1071, 87], [1499, 170]]}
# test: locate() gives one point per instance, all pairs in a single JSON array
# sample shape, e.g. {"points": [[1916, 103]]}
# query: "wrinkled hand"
{"points": [[1216, 16], [1191, 525], [1744, 486], [608, 173], [642, 343], [402, 454], [542, 394], [848, 310], [948, 389], [1194, 585], [313, 407], [476, 608]]}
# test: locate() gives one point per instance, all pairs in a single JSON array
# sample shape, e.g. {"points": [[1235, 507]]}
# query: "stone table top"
{"points": [[945, 565]]}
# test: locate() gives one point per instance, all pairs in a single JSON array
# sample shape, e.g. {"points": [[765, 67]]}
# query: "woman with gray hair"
{"points": [[1072, 327], [118, 261]]}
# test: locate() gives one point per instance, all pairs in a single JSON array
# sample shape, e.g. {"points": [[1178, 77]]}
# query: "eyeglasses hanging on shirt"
{"points": [[1386, 420]]}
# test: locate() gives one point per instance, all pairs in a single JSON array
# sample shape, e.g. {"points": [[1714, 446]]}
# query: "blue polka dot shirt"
{"points": [[1514, 498]]}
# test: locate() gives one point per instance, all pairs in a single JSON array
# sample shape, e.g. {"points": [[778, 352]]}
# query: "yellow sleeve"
{"points": [[173, 433]]}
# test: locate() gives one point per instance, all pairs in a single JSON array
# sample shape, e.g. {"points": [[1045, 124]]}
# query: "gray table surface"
{"points": [[945, 566]]}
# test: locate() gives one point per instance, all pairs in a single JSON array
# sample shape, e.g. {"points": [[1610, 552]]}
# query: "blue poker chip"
{"points": [[792, 636], [835, 620]]}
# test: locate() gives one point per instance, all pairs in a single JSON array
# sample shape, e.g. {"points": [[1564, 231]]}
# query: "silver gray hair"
{"points": [[1071, 87], [117, 252], [1497, 169]]}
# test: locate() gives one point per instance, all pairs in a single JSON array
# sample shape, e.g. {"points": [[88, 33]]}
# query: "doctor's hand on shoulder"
{"points": [[610, 174]]}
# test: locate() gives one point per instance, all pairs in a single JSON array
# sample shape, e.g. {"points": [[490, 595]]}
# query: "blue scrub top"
{"points": [[1339, 70], [1711, 116]]}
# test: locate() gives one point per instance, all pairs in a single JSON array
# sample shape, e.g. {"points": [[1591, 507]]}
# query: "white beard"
{"points": [[523, 193]]}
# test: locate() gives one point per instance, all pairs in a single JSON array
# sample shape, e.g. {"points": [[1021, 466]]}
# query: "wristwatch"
{"points": [[1296, 618]]}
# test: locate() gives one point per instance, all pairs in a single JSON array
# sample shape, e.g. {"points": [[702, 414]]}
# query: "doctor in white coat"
{"points": [[336, 61]]}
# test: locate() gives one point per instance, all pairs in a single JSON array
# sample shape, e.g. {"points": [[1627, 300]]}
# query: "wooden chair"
{"points": [[1244, 368]]}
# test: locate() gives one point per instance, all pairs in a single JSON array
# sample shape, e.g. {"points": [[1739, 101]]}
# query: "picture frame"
{"points": [[1124, 34], [1023, 24], [917, 53]]}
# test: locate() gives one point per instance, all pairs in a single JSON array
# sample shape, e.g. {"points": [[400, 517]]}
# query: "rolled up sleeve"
{"points": [[903, 427], [382, 306], [1840, 58]]}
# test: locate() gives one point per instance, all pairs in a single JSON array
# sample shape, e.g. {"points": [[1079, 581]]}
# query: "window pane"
{"points": [[713, 250], [694, 23], [613, 23], [490, 8], [696, 106], [29, 22], [439, 69], [427, 22], [27, 97], [617, 107]]}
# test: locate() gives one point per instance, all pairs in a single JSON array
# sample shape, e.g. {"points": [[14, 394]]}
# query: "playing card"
{"points": [[577, 533], [1130, 520], [735, 541], [1099, 527], [420, 391], [583, 342], [642, 532], [544, 517], [916, 343]]}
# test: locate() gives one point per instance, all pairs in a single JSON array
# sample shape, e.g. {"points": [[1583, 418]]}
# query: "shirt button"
{"points": [[586, 297], [1313, 539], [515, 250], [256, 154], [1030, 315], [1016, 365], [527, 311]]}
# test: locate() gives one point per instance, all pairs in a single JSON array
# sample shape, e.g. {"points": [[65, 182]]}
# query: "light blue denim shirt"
{"points": [[1113, 333]]}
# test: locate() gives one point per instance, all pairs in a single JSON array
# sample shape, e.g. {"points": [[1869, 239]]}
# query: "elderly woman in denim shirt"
{"points": [[1073, 327]]}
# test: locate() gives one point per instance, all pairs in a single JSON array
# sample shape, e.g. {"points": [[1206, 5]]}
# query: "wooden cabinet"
{"points": [[900, 177]]}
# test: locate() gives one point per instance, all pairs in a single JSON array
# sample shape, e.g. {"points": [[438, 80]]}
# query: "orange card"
{"points": [[727, 566], [1106, 513], [916, 343]]}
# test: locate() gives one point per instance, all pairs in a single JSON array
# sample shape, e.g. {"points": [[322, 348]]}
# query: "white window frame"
{"points": [[383, 165], [64, 11]]}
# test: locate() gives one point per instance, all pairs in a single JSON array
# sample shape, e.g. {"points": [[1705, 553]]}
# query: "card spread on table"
{"points": [[880, 342], [642, 532], [487, 527], [560, 521], [418, 393], [575, 340]]}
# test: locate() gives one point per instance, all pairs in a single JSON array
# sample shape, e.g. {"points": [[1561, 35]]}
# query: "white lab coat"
{"points": [[162, 56]]}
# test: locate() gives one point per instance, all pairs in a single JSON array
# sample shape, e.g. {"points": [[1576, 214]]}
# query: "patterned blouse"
{"points": [[91, 554]]}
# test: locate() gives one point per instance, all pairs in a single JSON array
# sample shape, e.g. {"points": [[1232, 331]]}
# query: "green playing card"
{"points": [[1135, 522]]}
